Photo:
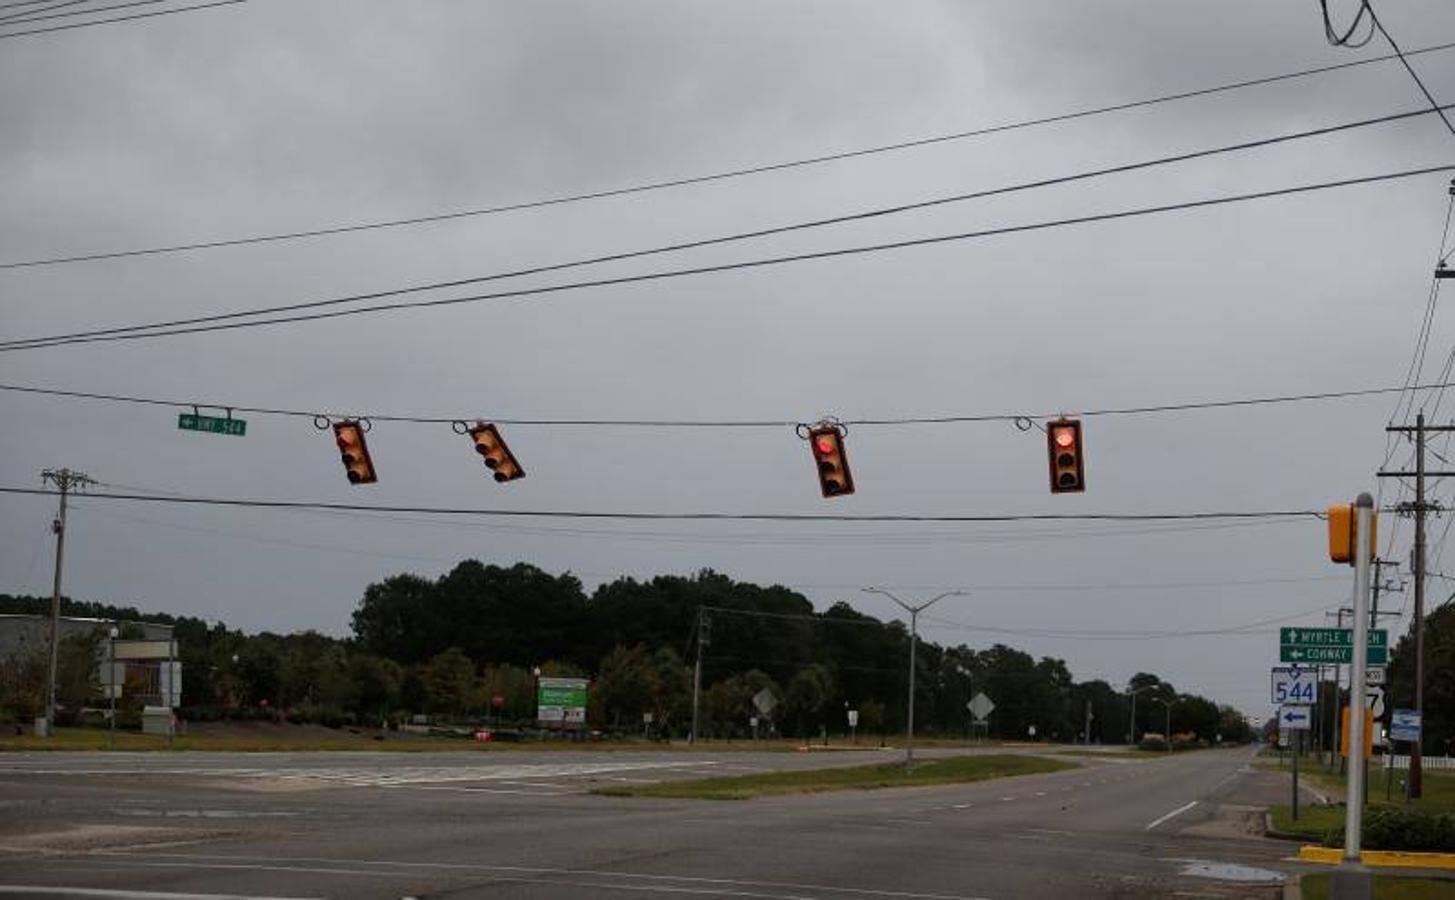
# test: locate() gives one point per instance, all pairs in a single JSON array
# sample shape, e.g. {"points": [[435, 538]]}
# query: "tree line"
{"points": [[468, 646]]}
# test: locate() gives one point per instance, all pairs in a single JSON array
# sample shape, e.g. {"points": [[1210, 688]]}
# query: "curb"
{"points": [[1402, 859]]}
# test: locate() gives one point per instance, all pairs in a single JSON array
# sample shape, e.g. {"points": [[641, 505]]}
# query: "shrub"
{"points": [[1390, 828]]}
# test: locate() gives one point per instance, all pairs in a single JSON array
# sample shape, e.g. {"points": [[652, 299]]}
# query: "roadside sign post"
{"points": [[854, 726], [1295, 719]]}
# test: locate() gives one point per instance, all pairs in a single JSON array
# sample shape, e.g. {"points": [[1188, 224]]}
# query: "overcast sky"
{"points": [[276, 116]]}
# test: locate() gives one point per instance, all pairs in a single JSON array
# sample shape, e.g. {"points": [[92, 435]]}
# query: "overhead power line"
{"points": [[730, 423], [34, 15], [861, 215], [1419, 82], [1135, 212], [148, 15], [681, 516], [348, 228]]}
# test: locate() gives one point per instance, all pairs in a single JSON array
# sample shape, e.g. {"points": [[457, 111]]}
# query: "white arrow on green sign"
{"points": [[1330, 645], [212, 424]]}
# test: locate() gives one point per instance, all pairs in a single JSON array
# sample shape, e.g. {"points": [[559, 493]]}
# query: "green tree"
{"points": [[624, 686], [449, 680], [807, 697], [376, 683]]}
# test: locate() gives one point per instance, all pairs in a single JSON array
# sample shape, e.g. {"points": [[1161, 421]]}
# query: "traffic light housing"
{"points": [[349, 435], [827, 444], [1068, 471], [498, 458], [1343, 521]]}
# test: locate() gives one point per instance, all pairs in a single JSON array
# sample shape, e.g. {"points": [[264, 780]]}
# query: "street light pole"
{"points": [[1132, 725], [914, 612]]}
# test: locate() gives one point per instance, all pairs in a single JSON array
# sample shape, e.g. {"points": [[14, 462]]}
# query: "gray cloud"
{"points": [[273, 116]]}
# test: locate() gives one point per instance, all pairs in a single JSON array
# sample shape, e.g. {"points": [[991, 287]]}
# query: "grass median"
{"points": [[953, 770], [1386, 887]]}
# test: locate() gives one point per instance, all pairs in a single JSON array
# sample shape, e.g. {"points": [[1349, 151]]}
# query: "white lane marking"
{"points": [[1176, 812], [1007, 799], [31, 890], [962, 806], [1040, 793], [271, 862]]}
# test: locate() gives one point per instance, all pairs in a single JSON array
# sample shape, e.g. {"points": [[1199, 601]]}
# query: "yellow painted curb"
{"points": [[1385, 858]]}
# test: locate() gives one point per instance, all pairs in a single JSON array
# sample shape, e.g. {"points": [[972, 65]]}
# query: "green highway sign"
{"points": [[212, 424], [1330, 645]]}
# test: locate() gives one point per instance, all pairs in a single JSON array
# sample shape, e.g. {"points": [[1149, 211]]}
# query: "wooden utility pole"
{"points": [[1418, 509], [65, 481]]}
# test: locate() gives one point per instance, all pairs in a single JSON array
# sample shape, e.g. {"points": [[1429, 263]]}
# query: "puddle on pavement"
{"points": [[1231, 872]]}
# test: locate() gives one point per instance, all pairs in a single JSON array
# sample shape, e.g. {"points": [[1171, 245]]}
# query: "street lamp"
{"points": [[914, 612], [1168, 704], [1132, 725], [112, 688]]}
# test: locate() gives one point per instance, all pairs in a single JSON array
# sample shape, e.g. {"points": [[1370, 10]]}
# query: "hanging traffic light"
{"points": [[826, 440], [1063, 438], [498, 458], [355, 453]]}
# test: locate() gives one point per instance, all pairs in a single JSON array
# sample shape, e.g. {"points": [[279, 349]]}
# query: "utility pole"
{"points": [[704, 635], [65, 481], [1088, 723], [914, 612], [1418, 509]]}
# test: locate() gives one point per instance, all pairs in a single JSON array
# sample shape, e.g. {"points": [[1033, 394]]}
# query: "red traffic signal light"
{"points": [[1063, 439], [498, 458], [827, 444], [349, 435]]}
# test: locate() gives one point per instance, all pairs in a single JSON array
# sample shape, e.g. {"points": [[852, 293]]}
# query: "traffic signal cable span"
{"points": [[682, 516], [1155, 409]]}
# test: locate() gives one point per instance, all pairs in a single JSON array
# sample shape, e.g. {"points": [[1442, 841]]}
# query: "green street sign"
{"points": [[1311, 646], [212, 424]]}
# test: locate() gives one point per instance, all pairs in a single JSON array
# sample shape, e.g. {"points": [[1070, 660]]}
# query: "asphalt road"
{"points": [[520, 825]]}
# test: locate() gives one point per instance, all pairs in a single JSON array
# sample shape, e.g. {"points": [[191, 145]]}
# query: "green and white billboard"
{"points": [[561, 701]]}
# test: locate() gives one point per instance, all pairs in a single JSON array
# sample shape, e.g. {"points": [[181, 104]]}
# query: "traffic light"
{"points": [[350, 437], [1068, 474], [1342, 524], [498, 458], [827, 443]]}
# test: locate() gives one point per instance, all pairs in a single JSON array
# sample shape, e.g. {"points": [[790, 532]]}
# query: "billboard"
{"points": [[561, 701]]}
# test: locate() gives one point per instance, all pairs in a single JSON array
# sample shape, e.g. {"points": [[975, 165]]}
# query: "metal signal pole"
{"points": [[65, 480]]}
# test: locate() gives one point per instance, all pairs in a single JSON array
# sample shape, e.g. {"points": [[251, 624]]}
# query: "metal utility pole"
{"points": [[1354, 793], [65, 481], [1088, 723], [914, 612], [704, 634], [1418, 509]]}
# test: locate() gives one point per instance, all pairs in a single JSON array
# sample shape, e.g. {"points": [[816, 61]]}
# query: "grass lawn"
{"points": [[954, 770], [1386, 887], [1314, 821]]}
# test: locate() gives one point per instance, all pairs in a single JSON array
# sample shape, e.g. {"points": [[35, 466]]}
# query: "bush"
{"points": [[1390, 828]]}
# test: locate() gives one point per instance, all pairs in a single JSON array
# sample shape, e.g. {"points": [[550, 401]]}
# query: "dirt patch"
{"points": [[90, 838], [1231, 820]]}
